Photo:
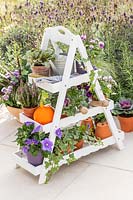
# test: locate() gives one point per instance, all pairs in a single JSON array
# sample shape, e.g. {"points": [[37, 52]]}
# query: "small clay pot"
{"points": [[88, 122], [79, 144], [41, 70], [29, 112], [102, 130], [126, 123]]}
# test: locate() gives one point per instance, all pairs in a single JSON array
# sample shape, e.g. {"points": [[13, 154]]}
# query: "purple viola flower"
{"points": [[47, 145], [79, 87], [16, 73], [5, 97], [28, 141], [101, 45], [83, 37], [35, 142], [87, 87], [25, 149], [58, 133], [36, 129], [88, 126], [66, 102], [4, 90], [29, 123], [89, 94]]}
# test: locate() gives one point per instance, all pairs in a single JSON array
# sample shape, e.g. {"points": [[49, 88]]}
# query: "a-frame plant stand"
{"points": [[61, 34]]}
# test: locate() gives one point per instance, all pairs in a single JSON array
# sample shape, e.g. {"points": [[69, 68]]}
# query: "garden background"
{"points": [[22, 24]]}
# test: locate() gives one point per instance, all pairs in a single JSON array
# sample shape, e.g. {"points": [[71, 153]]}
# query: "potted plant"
{"points": [[33, 142], [39, 60], [124, 110], [102, 129], [9, 83], [28, 95]]}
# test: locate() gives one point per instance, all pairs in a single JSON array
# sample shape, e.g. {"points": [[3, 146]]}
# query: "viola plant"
{"points": [[32, 139]]}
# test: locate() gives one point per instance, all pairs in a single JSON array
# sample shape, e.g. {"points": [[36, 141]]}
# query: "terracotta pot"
{"points": [[41, 70], [102, 130], [87, 122], [79, 144], [35, 160], [126, 123], [29, 112], [14, 111]]}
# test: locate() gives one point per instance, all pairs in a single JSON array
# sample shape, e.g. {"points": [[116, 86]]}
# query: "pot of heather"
{"points": [[124, 111], [28, 95]]}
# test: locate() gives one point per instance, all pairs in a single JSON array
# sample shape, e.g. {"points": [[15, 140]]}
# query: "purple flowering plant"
{"points": [[9, 84], [32, 139], [123, 108]]}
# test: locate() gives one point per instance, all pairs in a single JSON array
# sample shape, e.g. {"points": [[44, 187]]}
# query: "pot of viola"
{"points": [[35, 160], [102, 130]]}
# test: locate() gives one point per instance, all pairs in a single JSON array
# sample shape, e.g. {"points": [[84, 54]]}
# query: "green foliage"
{"points": [[37, 57], [75, 99], [100, 118]]}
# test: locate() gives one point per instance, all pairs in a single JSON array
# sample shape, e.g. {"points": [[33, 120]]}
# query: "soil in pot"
{"points": [[29, 112], [35, 160], [126, 123], [102, 130]]}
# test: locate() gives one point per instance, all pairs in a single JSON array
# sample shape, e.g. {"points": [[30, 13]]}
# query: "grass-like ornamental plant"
{"points": [[28, 95]]}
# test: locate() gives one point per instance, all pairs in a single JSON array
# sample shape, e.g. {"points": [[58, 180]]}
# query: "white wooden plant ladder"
{"points": [[61, 34]]}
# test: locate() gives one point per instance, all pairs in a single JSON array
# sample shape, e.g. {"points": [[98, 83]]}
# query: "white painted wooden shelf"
{"points": [[61, 34], [21, 160]]}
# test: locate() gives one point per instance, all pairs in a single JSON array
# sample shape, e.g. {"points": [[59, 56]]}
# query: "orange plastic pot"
{"points": [[126, 123], [87, 122], [102, 130]]}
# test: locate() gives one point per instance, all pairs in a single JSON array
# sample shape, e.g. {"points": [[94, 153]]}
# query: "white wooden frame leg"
{"points": [[114, 129]]}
